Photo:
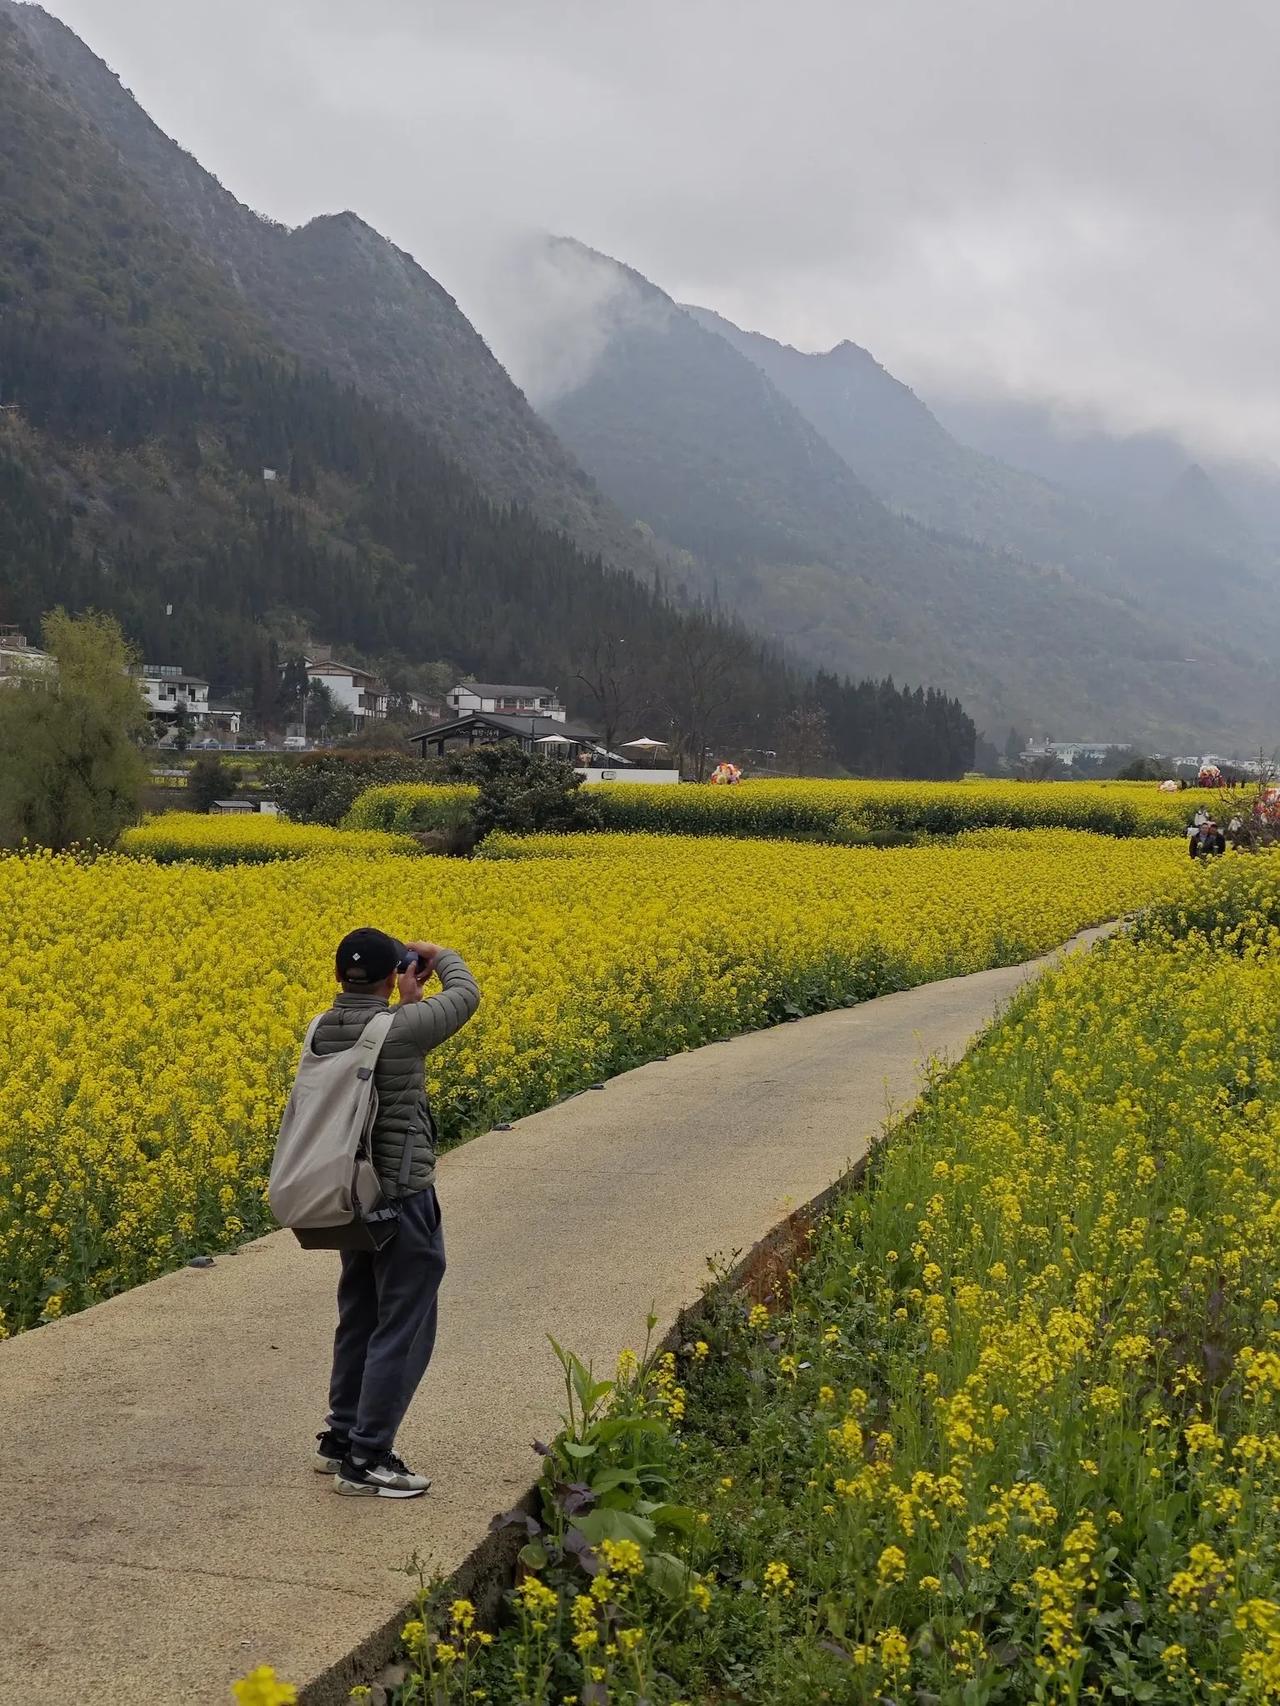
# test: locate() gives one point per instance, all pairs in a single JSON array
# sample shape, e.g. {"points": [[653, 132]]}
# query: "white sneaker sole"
{"points": [[326, 1465], [369, 1490]]}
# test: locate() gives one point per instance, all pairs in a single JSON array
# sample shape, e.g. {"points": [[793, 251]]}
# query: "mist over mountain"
{"points": [[345, 298], [682, 427], [1133, 471], [1161, 551]]}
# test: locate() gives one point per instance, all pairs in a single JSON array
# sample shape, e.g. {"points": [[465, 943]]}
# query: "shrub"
{"points": [[209, 780], [70, 768], [321, 787], [411, 807], [520, 792]]}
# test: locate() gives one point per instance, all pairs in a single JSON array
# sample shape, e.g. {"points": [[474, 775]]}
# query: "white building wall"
{"points": [[344, 690], [463, 702], [170, 693], [356, 694]]}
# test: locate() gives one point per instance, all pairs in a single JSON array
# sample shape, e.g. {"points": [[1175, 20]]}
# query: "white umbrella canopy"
{"points": [[644, 744], [554, 740]]}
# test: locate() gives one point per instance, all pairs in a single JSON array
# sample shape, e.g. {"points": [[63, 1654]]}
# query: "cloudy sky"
{"points": [[1078, 200]]}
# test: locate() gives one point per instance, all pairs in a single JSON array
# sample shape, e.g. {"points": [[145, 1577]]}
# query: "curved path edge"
{"points": [[160, 1529]]}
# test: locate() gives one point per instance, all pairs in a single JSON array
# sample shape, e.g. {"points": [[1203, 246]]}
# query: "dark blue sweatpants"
{"points": [[386, 1327]]}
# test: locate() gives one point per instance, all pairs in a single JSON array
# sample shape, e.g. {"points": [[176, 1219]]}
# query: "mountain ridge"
{"points": [[144, 400], [678, 425], [889, 435], [376, 319]]}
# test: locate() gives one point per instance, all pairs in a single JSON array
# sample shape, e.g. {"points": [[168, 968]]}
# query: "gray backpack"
{"points": [[323, 1184]]}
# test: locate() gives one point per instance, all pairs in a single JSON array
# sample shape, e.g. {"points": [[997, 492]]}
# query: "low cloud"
{"points": [[551, 306], [1076, 201]]}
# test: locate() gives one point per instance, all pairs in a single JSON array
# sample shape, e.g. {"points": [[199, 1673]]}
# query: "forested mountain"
{"points": [[150, 398], [1161, 555], [164, 345], [142, 399], [341, 296], [681, 428]]}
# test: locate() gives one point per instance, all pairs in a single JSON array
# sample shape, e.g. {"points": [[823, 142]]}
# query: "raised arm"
{"points": [[428, 1021]]}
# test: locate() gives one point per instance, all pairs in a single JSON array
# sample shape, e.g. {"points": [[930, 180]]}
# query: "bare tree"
{"points": [[612, 677], [704, 678], [804, 740]]}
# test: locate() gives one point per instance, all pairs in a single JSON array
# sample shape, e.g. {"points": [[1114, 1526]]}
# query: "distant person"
{"points": [[387, 1299], [1207, 840]]}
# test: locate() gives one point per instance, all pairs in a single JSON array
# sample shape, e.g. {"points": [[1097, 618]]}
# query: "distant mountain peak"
{"points": [[847, 350], [1195, 500]]}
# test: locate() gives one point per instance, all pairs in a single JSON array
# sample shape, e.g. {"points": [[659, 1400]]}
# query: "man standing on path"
{"points": [[387, 1299]]}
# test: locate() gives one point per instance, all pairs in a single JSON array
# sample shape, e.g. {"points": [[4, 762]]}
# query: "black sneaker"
{"points": [[382, 1477], [331, 1448]]}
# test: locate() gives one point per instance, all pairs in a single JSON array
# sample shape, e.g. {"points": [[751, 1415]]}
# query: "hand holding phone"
{"points": [[420, 959]]}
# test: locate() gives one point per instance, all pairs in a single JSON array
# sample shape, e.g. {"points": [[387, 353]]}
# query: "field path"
{"points": [[160, 1529]]}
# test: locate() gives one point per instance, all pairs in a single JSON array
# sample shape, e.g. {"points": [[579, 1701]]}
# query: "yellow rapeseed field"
{"points": [[1011, 1429], [829, 810], [151, 1018], [236, 838], [937, 808]]}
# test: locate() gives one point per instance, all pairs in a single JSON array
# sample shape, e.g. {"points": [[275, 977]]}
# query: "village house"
{"points": [[553, 737], [356, 691], [169, 691], [18, 658], [505, 699]]}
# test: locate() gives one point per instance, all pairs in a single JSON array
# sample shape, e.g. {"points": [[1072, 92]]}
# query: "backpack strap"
{"points": [[371, 1040], [373, 1036]]}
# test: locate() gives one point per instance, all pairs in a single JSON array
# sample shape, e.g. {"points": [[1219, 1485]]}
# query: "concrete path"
{"points": [[161, 1531]]}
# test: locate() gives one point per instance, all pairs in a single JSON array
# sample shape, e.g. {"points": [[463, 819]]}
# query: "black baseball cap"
{"points": [[368, 956]]}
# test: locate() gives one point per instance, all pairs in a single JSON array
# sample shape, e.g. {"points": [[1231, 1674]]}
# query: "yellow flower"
{"points": [[536, 1601], [777, 1579], [623, 1557], [463, 1614], [1201, 1580], [262, 1688], [891, 1566], [895, 1653], [583, 1613]]}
